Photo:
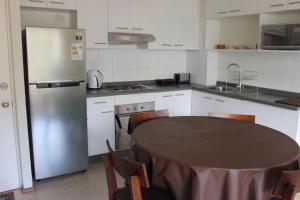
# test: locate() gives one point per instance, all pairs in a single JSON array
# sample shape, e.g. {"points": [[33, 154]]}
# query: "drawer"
{"points": [[163, 95], [101, 101]]}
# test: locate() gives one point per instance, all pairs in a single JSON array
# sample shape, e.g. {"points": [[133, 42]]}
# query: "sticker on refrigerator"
{"points": [[77, 51]]}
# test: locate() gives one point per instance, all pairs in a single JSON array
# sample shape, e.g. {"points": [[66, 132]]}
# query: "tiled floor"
{"points": [[90, 185]]}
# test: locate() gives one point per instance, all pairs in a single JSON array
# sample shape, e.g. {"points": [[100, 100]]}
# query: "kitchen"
{"points": [[138, 46]]}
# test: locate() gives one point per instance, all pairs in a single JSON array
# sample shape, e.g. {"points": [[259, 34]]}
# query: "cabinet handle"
{"points": [[37, 1], [166, 45], [137, 29], [277, 5], [167, 96], [295, 2], [122, 28], [208, 98], [178, 45], [57, 2], [107, 112], [177, 95], [222, 12], [233, 11], [100, 43], [220, 100], [101, 102]]}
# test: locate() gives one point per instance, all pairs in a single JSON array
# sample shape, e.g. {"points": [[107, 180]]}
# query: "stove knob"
{"points": [[142, 107], [128, 109]]}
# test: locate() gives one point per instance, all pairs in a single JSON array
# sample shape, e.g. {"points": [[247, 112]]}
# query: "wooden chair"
{"points": [[288, 186], [245, 118], [137, 183], [137, 119]]}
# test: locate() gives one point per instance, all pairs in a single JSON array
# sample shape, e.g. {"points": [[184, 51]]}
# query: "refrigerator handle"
{"points": [[58, 84]]}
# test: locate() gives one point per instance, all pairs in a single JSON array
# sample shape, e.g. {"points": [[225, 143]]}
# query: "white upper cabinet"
{"points": [[56, 4], [185, 24], [34, 3], [175, 24], [293, 4], [92, 16], [128, 16], [227, 8], [62, 4], [216, 8], [273, 5], [118, 15], [138, 16], [160, 16]]}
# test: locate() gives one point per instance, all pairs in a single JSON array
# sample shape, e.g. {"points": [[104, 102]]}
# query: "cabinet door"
{"points": [[62, 4], [138, 16], [164, 101], [182, 103], [118, 15], [217, 8], [293, 4], [34, 3], [237, 7], [185, 21], [160, 19], [92, 16], [202, 104], [101, 126], [273, 5], [279, 119]]}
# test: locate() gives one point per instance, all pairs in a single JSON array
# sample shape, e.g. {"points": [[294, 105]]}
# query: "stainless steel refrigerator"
{"points": [[56, 100]]}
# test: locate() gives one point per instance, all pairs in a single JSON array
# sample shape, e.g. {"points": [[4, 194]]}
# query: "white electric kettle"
{"points": [[94, 79]]}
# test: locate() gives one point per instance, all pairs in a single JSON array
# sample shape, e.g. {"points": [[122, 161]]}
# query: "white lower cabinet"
{"points": [[101, 124], [203, 103], [280, 119], [178, 103]]}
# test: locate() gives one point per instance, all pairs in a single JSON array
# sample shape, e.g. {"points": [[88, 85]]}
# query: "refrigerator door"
{"points": [[55, 54], [58, 128]]}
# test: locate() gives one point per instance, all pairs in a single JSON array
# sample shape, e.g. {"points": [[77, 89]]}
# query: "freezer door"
{"points": [[59, 128], [55, 54]]}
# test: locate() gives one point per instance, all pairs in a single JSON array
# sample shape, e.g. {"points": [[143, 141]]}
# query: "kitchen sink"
{"points": [[235, 90], [224, 88]]}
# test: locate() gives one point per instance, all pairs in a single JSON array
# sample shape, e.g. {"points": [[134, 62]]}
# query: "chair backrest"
{"points": [[245, 118], [288, 185], [138, 118], [133, 172]]}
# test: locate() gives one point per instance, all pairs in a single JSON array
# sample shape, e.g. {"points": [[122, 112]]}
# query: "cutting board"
{"points": [[290, 101]]}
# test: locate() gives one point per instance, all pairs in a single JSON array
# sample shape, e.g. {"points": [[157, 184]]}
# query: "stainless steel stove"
{"points": [[119, 88]]}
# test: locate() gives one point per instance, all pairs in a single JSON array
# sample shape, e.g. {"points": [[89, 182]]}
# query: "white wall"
{"points": [[136, 64], [278, 70], [203, 66], [19, 94]]}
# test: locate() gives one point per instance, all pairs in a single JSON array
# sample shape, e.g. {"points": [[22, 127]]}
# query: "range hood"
{"points": [[141, 40]]}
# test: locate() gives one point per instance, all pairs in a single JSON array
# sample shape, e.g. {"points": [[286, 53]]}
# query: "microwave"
{"points": [[281, 37]]}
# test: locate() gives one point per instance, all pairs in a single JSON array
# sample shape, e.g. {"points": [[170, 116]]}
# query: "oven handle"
{"points": [[118, 121]]}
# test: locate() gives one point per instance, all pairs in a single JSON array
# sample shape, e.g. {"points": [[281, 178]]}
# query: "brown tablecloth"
{"points": [[200, 158]]}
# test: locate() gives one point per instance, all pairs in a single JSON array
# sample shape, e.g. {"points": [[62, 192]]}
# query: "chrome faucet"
{"points": [[239, 70]]}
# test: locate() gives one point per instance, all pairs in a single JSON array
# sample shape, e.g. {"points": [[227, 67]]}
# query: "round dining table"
{"points": [[206, 158]]}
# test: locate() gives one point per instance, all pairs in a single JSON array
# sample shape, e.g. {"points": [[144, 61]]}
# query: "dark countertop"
{"points": [[154, 88], [264, 96]]}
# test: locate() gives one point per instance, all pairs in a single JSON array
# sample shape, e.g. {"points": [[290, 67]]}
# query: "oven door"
{"points": [[123, 139]]}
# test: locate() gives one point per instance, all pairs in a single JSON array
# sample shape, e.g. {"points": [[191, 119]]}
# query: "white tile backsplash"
{"points": [[136, 64], [278, 70]]}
